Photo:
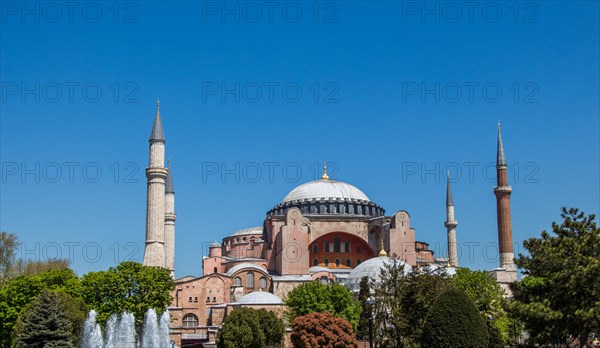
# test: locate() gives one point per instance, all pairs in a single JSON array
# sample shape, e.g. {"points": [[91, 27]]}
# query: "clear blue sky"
{"points": [[372, 64]]}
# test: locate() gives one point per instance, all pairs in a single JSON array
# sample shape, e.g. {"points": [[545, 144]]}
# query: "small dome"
{"points": [[450, 271], [325, 189], [371, 268], [215, 244], [246, 231], [260, 298]]}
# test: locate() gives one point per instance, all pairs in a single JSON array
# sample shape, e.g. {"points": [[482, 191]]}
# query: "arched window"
{"points": [[347, 246], [326, 262], [336, 245], [262, 283], [315, 248], [337, 262], [237, 281], [215, 270], [326, 247], [190, 320], [250, 280], [315, 262], [348, 263]]}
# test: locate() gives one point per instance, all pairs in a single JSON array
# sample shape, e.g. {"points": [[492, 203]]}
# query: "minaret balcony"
{"points": [[502, 189], [152, 172], [450, 224]]}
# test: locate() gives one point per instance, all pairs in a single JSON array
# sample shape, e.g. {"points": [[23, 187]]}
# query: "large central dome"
{"points": [[325, 189], [328, 197]]}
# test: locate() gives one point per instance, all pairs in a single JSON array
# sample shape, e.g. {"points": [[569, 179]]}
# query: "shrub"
{"points": [[453, 321], [322, 330]]}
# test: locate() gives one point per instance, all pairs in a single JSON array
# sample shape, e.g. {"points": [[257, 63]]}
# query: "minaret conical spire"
{"points": [[157, 133], [449, 200], [169, 181], [500, 158]]}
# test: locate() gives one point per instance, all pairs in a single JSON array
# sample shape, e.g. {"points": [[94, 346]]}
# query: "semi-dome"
{"points": [[325, 189], [260, 298], [245, 265], [372, 269]]}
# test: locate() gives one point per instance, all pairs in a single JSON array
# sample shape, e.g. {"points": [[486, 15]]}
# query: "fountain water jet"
{"points": [[111, 332], [120, 333], [92, 335], [163, 330], [127, 331]]}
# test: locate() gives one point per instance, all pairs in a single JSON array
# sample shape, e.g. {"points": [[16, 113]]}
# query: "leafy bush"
{"points": [[251, 328], [316, 297], [453, 321], [322, 330]]}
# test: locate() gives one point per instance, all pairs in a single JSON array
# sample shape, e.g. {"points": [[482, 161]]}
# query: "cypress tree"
{"points": [[453, 321], [362, 331]]}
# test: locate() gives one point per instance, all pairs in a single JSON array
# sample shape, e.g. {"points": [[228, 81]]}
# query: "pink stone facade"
{"points": [[288, 250]]}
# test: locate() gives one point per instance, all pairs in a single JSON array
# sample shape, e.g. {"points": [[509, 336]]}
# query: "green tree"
{"points": [[11, 267], [31, 267], [273, 328], [559, 296], [402, 300], [453, 321], [8, 248], [488, 297], [53, 319], [423, 286], [364, 293], [322, 330], [316, 297], [251, 328], [129, 287], [19, 292]]}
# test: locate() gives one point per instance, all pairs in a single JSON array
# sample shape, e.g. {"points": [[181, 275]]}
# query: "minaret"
{"points": [[451, 224], [170, 217], [156, 173], [502, 192]]}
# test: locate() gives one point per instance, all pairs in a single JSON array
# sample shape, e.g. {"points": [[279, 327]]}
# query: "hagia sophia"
{"points": [[324, 230]]}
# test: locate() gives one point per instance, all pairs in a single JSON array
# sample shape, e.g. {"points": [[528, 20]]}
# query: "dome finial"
{"points": [[325, 176], [382, 252]]}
